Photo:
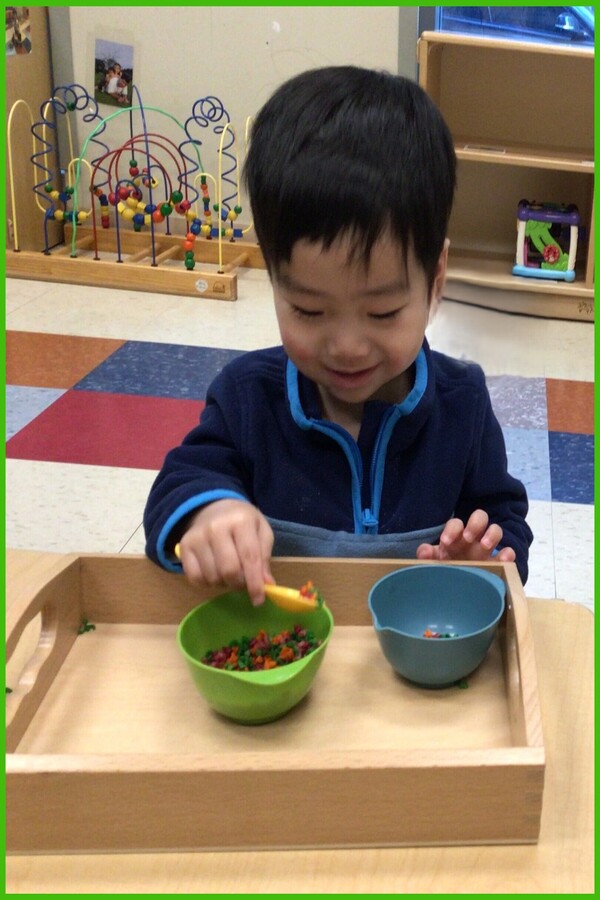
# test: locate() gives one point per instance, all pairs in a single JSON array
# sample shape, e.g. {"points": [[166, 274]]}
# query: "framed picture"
{"points": [[113, 76], [18, 30]]}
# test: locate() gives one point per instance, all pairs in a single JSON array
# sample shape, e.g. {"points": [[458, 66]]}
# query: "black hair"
{"points": [[343, 150]]}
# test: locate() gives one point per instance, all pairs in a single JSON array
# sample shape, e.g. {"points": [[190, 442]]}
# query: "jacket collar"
{"points": [[305, 404]]}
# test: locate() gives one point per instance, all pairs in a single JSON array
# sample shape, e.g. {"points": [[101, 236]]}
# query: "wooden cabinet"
{"points": [[522, 119]]}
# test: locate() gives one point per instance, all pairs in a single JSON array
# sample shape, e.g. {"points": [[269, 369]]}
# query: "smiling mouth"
{"points": [[356, 376]]}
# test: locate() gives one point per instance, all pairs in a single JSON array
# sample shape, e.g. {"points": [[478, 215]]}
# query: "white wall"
{"points": [[239, 54]]}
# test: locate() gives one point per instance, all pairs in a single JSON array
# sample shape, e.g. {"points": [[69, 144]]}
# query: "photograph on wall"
{"points": [[18, 30], [113, 78]]}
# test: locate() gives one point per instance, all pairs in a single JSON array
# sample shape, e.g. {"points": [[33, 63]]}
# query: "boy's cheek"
{"points": [[299, 351]]}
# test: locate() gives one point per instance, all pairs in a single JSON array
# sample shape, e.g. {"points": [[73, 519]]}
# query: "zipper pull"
{"points": [[369, 521]]}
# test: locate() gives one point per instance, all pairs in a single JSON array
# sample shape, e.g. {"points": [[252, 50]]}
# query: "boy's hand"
{"points": [[474, 541], [229, 542]]}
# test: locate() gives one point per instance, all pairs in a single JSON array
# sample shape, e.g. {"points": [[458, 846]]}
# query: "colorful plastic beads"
{"points": [[263, 651], [309, 591], [428, 633]]}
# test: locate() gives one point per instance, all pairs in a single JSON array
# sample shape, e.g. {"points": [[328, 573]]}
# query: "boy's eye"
{"points": [[387, 315], [306, 313]]}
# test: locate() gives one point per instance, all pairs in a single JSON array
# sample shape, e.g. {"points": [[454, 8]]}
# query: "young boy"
{"points": [[354, 438]]}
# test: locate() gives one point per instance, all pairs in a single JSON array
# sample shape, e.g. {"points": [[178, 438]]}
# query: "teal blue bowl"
{"points": [[452, 600], [250, 698]]}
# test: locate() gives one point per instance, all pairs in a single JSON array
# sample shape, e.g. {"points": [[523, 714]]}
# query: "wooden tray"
{"points": [[111, 748]]}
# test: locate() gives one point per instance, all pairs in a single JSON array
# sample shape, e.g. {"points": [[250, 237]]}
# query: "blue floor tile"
{"points": [[158, 370], [527, 452], [24, 404], [572, 467]]}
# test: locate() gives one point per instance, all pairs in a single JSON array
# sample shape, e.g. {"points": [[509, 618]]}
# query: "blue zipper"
{"points": [[352, 453], [366, 521], [378, 461], [340, 436], [385, 432]]}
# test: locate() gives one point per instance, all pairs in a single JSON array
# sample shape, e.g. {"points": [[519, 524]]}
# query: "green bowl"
{"points": [[251, 698]]}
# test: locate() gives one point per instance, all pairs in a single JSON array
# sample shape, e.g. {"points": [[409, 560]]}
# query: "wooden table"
{"points": [[562, 861]]}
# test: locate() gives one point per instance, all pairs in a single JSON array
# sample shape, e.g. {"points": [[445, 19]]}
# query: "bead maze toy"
{"points": [[140, 215], [546, 240]]}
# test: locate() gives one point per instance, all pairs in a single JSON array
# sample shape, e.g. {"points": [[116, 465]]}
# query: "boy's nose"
{"points": [[348, 344]]}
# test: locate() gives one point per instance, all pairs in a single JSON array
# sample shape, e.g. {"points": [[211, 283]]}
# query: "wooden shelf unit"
{"points": [[521, 115]]}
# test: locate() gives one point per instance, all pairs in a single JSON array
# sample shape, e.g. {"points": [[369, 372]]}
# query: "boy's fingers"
{"points": [[254, 577], [426, 551], [266, 539], [452, 532], [251, 561], [216, 556], [233, 547], [507, 554], [227, 561], [492, 537], [191, 568], [205, 561], [476, 525]]}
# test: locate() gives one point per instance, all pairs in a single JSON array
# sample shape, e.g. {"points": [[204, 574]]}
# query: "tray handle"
{"points": [[55, 594], [520, 666]]}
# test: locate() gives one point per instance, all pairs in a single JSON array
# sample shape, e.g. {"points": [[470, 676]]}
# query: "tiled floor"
{"points": [[102, 383]]}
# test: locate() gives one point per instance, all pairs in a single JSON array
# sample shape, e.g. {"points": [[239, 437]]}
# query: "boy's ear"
{"points": [[440, 275]]}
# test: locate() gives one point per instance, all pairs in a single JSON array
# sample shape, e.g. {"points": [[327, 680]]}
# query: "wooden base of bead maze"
{"points": [[136, 271]]}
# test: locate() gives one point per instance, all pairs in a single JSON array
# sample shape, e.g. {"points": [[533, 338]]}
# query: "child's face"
{"points": [[355, 332]]}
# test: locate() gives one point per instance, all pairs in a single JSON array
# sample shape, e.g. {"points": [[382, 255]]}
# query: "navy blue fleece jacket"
{"points": [[438, 454]]}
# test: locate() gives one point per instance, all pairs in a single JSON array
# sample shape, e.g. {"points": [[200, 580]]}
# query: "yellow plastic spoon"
{"points": [[286, 598], [290, 599]]}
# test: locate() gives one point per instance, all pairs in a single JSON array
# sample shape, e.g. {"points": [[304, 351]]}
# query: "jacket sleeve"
{"points": [[207, 466], [491, 487]]}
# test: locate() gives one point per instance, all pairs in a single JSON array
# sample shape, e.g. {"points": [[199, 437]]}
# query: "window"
{"points": [[553, 24]]}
